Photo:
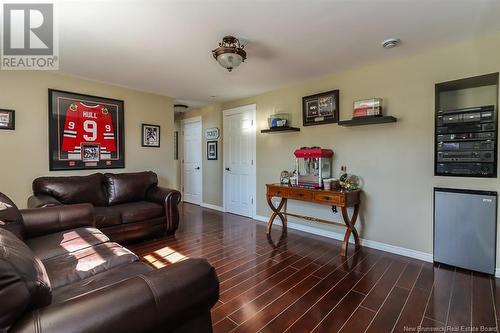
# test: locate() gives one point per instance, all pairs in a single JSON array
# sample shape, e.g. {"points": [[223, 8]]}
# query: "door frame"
{"points": [[183, 122], [225, 113]]}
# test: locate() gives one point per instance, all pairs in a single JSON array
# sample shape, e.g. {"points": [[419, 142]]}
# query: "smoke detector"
{"points": [[391, 43]]}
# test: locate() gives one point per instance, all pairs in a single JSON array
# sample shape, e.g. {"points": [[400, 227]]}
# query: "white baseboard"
{"points": [[214, 207], [365, 242]]}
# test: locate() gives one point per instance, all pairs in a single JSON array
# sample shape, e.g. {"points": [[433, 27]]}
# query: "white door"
{"points": [[192, 179], [239, 160]]}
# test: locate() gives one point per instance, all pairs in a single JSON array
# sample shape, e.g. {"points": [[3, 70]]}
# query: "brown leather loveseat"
{"points": [[127, 205], [60, 275]]}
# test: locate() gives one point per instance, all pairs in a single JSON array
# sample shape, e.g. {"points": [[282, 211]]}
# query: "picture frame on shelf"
{"points": [[150, 135], [7, 119], [212, 150], [322, 108], [85, 132]]}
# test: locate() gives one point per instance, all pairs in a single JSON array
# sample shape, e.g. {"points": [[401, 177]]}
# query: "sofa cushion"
{"points": [[138, 211], [79, 265], [52, 245], [74, 189], [24, 284], [100, 280], [129, 187], [10, 216], [107, 217]]}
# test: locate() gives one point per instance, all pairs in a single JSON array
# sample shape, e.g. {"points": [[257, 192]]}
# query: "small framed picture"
{"points": [[321, 108], [91, 152], [7, 119], [150, 135], [212, 150]]}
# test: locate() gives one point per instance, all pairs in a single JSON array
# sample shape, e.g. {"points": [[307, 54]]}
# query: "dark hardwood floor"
{"points": [[299, 283]]}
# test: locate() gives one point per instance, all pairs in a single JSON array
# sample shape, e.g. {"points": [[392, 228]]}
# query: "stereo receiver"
{"points": [[466, 142]]}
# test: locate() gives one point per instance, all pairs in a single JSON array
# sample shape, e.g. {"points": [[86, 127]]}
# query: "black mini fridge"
{"points": [[465, 228]]}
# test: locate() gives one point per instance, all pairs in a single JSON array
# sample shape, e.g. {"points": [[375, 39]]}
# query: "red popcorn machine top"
{"points": [[313, 165]]}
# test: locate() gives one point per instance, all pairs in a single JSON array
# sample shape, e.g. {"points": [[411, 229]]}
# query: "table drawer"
{"points": [[300, 194], [277, 191], [334, 199]]}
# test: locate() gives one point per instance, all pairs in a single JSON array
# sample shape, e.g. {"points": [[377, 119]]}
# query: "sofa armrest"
{"points": [[169, 198], [42, 221], [159, 301], [41, 201]]}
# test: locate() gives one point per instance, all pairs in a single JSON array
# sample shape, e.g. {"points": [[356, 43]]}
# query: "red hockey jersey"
{"points": [[88, 125]]}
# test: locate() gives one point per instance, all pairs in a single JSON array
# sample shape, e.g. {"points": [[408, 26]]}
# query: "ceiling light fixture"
{"points": [[230, 53], [180, 107], [390, 43]]}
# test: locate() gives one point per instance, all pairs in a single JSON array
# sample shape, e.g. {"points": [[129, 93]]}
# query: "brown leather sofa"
{"points": [[60, 275], [127, 205]]}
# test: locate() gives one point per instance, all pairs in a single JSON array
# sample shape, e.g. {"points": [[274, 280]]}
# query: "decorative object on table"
{"points": [[176, 145], [334, 183], [351, 183], [150, 135], [367, 108], [321, 108], [285, 177], [212, 133], [7, 119], [327, 184], [85, 132], [343, 173], [211, 150], [294, 178], [230, 53], [348, 182], [313, 164], [279, 120]]}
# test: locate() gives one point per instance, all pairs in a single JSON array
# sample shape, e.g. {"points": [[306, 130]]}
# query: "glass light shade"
{"points": [[229, 60]]}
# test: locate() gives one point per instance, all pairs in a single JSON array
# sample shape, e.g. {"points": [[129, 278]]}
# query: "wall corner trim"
{"points": [[365, 242], [214, 207]]}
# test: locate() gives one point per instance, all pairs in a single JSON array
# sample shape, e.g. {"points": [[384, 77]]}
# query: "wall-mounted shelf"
{"points": [[368, 121], [280, 130]]}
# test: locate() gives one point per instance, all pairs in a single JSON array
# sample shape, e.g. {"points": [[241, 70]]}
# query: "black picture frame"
{"points": [[322, 108], [151, 135], [212, 150], [176, 145], [93, 126], [7, 119]]}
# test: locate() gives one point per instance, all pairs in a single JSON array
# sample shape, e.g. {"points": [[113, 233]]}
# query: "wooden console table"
{"points": [[334, 198]]}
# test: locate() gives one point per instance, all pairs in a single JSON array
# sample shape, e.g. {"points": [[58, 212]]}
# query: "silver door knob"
{"points": [[227, 169], [197, 168]]}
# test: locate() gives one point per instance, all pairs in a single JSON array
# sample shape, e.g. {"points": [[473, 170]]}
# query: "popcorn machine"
{"points": [[313, 165]]}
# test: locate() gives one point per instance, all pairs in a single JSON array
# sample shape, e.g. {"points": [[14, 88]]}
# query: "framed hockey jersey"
{"points": [[85, 132]]}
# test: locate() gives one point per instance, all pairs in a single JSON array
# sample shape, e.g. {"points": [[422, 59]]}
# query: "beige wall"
{"points": [[395, 161], [24, 152], [211, 116]]}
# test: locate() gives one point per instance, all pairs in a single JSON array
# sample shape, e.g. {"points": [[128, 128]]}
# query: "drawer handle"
{"points": [[300, 194], [278, 192], [327, 198]]}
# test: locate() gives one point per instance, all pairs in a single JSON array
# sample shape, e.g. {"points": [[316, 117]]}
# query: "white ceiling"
{"points": [[165, 46]]}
